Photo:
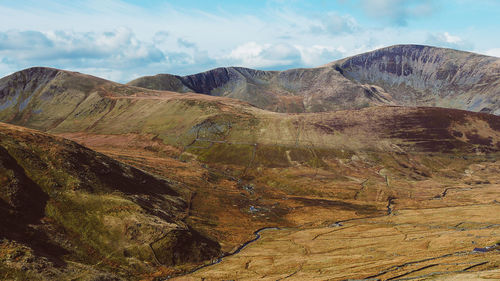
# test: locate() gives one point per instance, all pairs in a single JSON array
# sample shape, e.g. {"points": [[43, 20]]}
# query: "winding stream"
{"points": [[219, 259]]}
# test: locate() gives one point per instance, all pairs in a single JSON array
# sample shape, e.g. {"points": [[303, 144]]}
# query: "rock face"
{"points": [[421, 75], [408, 75]]}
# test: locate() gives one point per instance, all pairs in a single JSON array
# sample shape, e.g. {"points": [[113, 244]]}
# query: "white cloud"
{"points": [[186, 43], [318, 55], [62, 45], [445, 39], [493, 52], [277, 56], [334, 23], [111, 54], [252, 54], [448, 38], [21, 40], [160, 36]]}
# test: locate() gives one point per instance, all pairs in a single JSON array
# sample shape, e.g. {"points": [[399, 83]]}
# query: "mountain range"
{"points": [[169, 175], [405, 75]]}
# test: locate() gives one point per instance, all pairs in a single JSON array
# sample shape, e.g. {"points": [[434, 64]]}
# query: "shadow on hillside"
{"points": [[22, 205]]}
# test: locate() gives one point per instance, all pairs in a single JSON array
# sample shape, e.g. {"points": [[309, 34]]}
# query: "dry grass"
{"points": [[443, 205], [410, 244]]}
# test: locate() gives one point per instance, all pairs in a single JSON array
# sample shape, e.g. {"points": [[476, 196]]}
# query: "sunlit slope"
{"points": [[61, 105]]}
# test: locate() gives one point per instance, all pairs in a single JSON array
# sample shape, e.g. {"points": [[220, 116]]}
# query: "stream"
{"points": [[219, 259]]}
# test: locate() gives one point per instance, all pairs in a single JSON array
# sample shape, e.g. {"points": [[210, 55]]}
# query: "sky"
{"points": [[122, 40]]}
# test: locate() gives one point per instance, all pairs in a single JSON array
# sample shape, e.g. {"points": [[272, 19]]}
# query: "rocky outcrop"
{"points": [[422, 75]]}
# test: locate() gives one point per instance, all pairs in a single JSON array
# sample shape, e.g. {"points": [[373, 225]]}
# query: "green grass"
{"points": [[83, 216], [223, 153]]}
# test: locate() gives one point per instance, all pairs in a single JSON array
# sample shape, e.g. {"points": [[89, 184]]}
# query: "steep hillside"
{"points": [[296, 90], [68, 211], [407, 75], [422, 75]]}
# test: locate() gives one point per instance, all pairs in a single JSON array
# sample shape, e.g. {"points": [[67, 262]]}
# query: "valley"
{"points": [[218, 177]]}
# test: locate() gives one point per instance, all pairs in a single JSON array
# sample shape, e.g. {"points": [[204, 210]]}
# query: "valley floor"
{"points": [[450, 242], [402, 217]]}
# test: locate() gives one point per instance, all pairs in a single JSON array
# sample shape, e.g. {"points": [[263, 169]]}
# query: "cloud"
{"points": [[282, 56], [493, 52], [252, 54], [333, 23], [61, 45], [118, 52], [398, 11], [160, 36], [122, 39], [284, 53], [186, 44], [318, 55], [445, 39], [15, 40]]}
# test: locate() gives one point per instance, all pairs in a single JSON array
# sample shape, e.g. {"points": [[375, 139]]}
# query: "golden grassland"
{"points": [[442, 206]]}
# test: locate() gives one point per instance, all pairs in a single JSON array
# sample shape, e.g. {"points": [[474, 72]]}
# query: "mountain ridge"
{"points": [[67, 102], [429, 76]]}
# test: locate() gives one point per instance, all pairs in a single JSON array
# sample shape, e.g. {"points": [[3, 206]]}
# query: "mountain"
{"points": [[64, 102], [406, 75], [225, 169], [46, 96], [292, 91], [421, 75], [67, 212]]}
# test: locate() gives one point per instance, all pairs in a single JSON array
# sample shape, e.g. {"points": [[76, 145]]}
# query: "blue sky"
{"points": [[124, 39]]}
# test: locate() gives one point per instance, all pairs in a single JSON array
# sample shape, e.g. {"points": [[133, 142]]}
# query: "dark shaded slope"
{"points": [[23, 200], [424, 129], [69, 203]]}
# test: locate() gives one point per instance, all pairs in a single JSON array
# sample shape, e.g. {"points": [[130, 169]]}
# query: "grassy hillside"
{"points": [[60, 105], [69, 211]]}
